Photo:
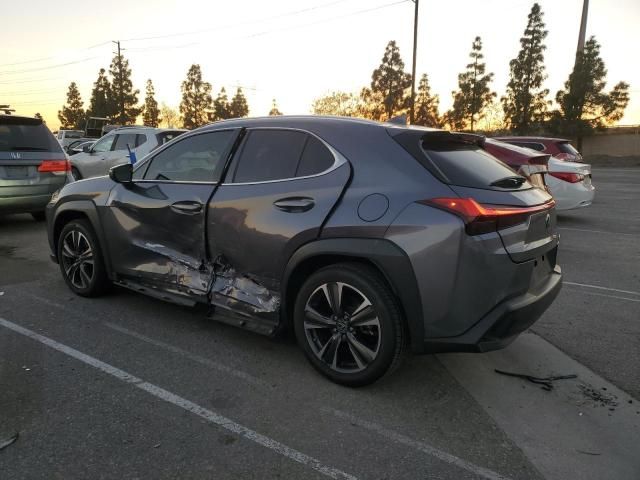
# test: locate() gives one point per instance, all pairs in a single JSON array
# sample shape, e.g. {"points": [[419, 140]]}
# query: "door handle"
{"points": [[187, 207], [294, 204]]}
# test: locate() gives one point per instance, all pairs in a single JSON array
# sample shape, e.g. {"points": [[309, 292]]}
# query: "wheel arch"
{"points": [[382, 255]]}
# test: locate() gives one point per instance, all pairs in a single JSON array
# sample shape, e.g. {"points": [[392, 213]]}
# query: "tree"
{"points": [[474, 93], [336, 103], [101, 97], [38, 116], [274, 109], [196, 99], [170, 116], [221, 106], [426, 107], [123, 97], [72, 115], [238, 107], [151, 115], [371, 105], [525, 104], [389, 82], [584, 106]]}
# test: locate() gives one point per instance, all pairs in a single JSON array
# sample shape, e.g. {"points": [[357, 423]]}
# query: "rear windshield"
{"points": [[165, 137], [566, 147], [24, 135], [466, 165]]}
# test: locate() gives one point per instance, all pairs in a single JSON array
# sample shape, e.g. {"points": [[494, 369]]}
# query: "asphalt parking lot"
{"points": [[125, 386]]}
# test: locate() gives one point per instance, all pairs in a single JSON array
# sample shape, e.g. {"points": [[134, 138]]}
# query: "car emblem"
{"points": [[547, 221], [15, 155]]}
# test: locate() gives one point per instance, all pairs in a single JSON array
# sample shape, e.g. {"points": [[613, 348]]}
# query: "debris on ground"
{"points": [[599, 398], [588, 453], [4, 443], [545, 382]]}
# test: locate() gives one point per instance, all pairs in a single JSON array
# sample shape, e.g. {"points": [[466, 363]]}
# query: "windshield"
{"points": [[566, 147]]}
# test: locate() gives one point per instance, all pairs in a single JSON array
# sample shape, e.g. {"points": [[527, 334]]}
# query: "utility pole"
{"points": [[120, 86], [413, 67], [583, 28]]}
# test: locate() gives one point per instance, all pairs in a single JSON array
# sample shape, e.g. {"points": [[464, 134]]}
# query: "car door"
{"points": [[155, 226], [91, 163], [279, 189]]}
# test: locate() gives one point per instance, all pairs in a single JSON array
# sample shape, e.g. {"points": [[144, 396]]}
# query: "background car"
{"points": [[570, 184], [559, 148], [112, 150], [32, 165], [365, 238], [79, 146], [66, 137], [526, 162]]}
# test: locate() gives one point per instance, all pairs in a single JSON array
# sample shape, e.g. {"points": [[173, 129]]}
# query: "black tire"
{"points": [[343, 360], [85, 274], [75, 173], [38, 216]]}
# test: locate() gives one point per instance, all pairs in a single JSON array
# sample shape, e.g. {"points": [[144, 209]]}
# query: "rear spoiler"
{"points": [[438, 136]]}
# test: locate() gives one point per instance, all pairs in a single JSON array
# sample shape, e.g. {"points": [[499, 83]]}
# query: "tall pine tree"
{"points": [[124, 98], [474, 93], [426, 107], [196, 99], [274, 109], [238, 107], [72, 115], [99, 105], [525, 104], [389, 82], [221, 106], [583, 104], [151, 113]]}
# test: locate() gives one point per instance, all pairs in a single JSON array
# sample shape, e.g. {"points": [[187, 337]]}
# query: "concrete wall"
{"points": [[617, 141]]}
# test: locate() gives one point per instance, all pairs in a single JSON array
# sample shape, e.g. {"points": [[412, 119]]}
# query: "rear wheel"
{"points": [[349, 324], [38, 216], [80, 259]]}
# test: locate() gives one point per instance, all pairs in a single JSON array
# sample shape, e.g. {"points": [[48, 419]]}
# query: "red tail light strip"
{"points": [[568, 176], [480, 219], [52, 166]]}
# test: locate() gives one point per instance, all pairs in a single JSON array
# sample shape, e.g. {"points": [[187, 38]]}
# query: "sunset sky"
{"points": [[293, 51]]}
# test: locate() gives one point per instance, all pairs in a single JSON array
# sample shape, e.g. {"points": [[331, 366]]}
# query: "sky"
{"points": [[292, 51]]}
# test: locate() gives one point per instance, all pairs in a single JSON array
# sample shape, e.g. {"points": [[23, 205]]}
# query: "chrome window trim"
{"points": [[338, 158]]}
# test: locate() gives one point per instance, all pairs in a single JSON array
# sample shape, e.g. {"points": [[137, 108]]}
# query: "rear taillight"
{"points": [[480, 219], [57, 167], [568, 176]]}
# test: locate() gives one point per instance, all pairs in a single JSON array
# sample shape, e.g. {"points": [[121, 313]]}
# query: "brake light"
{"points": [[55, 166], [480, 219], [568, 176]]}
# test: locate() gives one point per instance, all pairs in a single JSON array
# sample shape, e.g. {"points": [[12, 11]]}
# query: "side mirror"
{"points": [[122, 173], [86, 148]]}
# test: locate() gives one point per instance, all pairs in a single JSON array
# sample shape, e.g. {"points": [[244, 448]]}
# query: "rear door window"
{"points": [[269, 155], [26, 135], [104, 144]]}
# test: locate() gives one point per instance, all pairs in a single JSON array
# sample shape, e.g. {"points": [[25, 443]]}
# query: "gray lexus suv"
{"points": [[367, 239]]}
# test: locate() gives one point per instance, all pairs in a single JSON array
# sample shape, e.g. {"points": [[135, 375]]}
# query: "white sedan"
{"points": [[570, 184]]}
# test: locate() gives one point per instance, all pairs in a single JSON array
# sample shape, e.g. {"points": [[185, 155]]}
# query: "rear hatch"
{"points": [[489, 196], [31, 159]]}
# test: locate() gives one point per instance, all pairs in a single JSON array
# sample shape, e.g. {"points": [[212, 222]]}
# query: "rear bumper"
{"points": [[24, 204], [504, 323]]}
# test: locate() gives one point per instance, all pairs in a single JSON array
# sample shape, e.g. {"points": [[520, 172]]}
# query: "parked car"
{"points": [[32, 165], [65, 137], [79, 146], [530, 164], [570, 184], [365, 238], [560, 148], [111, 149]]}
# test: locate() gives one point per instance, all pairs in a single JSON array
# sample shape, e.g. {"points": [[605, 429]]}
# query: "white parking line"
{"points": [[598, 231], [183, 403], [191, 356], [613, 296], [598, 287], [421, 446]]}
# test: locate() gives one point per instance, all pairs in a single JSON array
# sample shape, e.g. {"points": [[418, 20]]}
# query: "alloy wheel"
{"points": [[342, 327], [77, 259]]}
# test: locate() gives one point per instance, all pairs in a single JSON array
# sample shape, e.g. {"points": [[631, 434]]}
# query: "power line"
{"points": [[49, 67], [36, 60]]}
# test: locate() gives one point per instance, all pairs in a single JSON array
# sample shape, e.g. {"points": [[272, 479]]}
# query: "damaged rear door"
{"points": [[279, 189], [156, 226]]}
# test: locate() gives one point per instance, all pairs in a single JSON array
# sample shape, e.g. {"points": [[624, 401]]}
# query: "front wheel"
{"points": [[349, 324], [81, 261], [75, 173]]}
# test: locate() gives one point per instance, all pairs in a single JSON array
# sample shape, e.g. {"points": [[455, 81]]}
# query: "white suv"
{"points": [[113, 149]]}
